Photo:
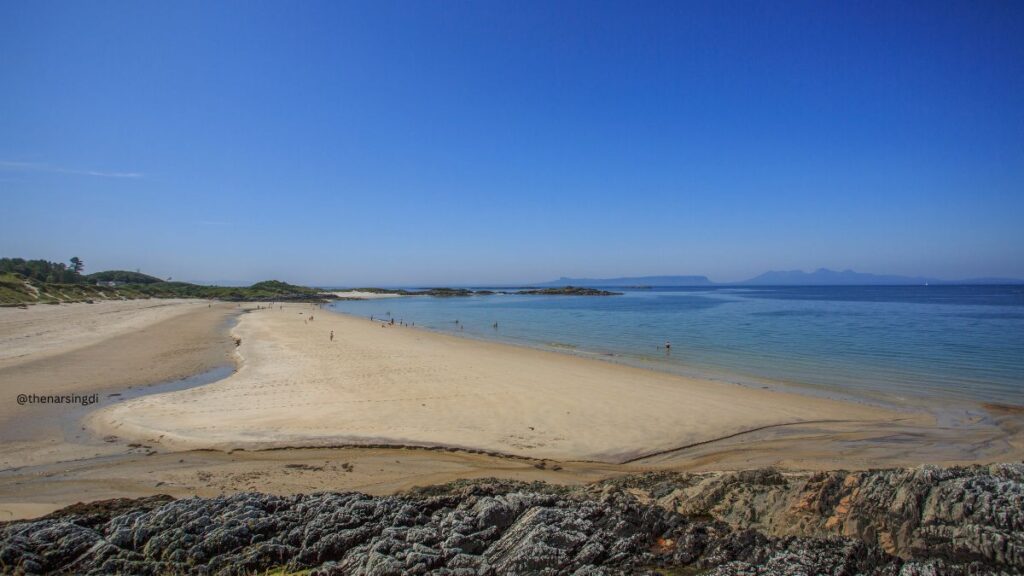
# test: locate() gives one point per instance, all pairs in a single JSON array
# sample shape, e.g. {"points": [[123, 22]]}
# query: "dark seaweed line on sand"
{"points": [[741, 433]]}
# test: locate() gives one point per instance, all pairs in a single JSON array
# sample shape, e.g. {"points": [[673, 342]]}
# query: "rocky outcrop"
{"points": [[927, 512], [569, 291], [896, 522]]}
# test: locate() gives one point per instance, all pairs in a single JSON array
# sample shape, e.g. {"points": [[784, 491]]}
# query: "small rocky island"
{"points": [[906, 522], [569, 291]]}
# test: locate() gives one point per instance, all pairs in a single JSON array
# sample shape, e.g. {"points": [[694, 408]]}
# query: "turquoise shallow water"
{"points": [[962, 343]]}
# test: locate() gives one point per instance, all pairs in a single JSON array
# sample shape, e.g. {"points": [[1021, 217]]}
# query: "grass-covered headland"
{"points": [[42, 282]]}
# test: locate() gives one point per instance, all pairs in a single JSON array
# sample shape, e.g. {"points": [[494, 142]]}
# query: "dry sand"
{"points": [[395, 385], [39, 331]]}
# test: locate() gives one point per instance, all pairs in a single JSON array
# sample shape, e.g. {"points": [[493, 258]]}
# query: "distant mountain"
{"points": [[820, 277], [826, 277], [632, 281]]}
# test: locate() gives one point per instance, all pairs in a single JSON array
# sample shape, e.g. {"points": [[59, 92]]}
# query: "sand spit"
{"points": [[379, 385]]}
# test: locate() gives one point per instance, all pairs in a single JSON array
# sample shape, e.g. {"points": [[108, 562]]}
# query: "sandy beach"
{"points": [[394, 385], [382, 409]]}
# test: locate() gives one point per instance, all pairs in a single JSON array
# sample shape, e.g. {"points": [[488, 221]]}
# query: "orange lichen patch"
{"points": [[841, 510], [663, 546], [808, 502]]}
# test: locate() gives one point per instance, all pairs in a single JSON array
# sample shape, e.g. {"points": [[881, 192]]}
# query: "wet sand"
{"points": [[102, 349]]}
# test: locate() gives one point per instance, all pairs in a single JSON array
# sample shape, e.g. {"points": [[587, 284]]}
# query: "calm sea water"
{"points": [[963, 343]]}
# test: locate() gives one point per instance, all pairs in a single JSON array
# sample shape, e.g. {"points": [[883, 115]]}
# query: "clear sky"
{"points": [[451, 142]]}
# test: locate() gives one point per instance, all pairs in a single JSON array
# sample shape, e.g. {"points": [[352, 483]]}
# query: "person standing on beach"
{"points": [[332, 335]]}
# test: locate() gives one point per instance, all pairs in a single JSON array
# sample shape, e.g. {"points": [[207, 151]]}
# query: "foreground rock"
{"points": [[895, 522]]}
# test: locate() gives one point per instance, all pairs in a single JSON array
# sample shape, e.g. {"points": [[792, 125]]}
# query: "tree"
{"points": [[77, 265]]}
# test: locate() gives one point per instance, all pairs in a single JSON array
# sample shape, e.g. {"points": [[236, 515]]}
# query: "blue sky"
{"points": [[482, 142]]}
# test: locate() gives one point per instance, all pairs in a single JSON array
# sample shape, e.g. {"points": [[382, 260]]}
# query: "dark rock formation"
{"points": [[924, 521]]}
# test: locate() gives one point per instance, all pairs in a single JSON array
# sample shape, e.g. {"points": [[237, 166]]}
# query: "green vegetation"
{"points": [[42, 270], [123, 277], [277, 287], [41, 282], [16, 289], [270, 290]]}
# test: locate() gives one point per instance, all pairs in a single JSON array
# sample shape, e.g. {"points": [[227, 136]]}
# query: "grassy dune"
{"points": [[17, 290]]}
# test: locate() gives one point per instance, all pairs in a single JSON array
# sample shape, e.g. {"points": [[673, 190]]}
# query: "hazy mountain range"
{"points": [[820, 277]]}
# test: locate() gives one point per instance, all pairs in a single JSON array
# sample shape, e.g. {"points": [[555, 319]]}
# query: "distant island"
{"points": [[820, 277], [570, 291]]}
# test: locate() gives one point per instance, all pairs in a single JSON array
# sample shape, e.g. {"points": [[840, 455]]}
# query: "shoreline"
{"points": [[942, 412], [722, 376]]}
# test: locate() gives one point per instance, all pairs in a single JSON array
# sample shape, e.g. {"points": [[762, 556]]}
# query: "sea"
{"points": [[891, 344]]}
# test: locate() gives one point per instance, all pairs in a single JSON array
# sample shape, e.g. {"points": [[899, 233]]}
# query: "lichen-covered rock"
{"points": [[916, 522], [970, 514]]}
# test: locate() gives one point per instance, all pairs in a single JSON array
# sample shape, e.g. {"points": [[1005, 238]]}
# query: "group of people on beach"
{"points": [[391, 321]]}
